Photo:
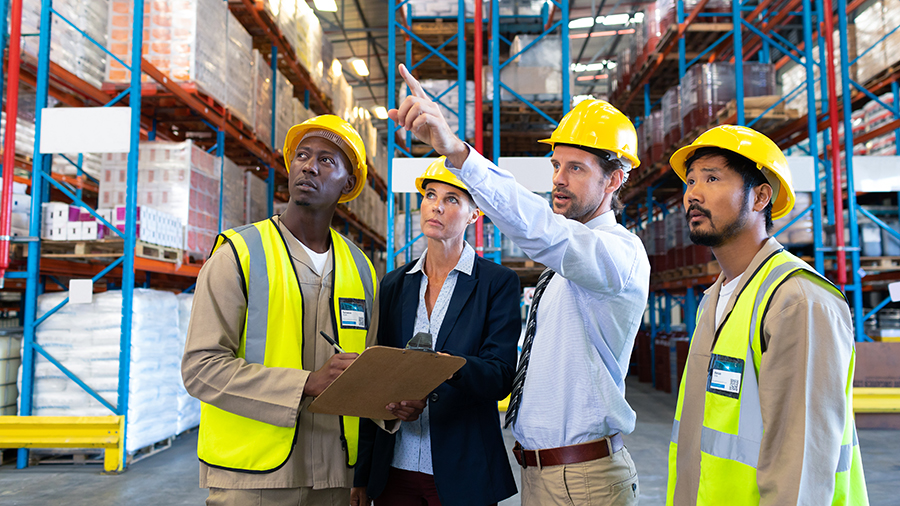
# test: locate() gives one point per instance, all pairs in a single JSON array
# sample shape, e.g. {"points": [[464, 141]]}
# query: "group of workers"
{"points": [[764, 412]]}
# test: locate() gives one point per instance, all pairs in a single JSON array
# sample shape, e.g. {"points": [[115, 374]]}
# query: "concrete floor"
{"points": [[170, 477]]}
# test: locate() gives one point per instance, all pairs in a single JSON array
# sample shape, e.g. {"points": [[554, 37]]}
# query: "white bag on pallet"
{"points": [[85, 338], [188, 407]]}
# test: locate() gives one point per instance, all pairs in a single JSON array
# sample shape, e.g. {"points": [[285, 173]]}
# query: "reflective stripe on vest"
{"points": [[269, 337], [732, 428]]}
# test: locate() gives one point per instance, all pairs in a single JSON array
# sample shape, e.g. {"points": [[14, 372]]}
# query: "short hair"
{"points": [[609, 163], [744, 166]]}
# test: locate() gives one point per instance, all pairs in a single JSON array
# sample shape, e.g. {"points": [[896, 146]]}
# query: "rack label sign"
{"points": [[85, 130]]}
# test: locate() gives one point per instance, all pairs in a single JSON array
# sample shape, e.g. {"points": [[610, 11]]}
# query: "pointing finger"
{"points": [[414, 86]]}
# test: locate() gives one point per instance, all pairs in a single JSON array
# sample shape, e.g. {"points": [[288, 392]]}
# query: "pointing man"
{"points": [[568, 409]]}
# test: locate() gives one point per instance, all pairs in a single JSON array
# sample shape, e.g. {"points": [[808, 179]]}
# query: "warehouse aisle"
{"points": [[170, 478]]}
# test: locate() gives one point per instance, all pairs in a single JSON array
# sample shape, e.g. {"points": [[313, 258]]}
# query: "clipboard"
{"points": [[382, 375]]}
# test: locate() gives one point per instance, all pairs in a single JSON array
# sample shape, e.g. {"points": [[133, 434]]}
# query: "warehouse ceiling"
{"points": [[359, 30]]}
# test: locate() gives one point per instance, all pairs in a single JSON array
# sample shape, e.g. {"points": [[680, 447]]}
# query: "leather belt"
{"points": [[569, 454]]}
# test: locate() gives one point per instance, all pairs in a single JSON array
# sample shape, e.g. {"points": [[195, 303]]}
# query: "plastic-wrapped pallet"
{"points": [[188, 411], [284, 109], [287, 13], [671, 107], [310, 42], [256, 207], [342, 96], [445, 8], [185, 40], [301, 113], [262, 93], [801, 232], [175, 177], [68, 48], [10, 360], [85, 338], [871, 28], [240, 71], [232, 195]]}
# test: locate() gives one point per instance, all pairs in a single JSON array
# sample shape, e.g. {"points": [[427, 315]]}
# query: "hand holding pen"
{"points": [[319, 380]]}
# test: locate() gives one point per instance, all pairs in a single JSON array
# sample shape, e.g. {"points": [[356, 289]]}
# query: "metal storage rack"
{"points": [[50, 80], [496, 37]]}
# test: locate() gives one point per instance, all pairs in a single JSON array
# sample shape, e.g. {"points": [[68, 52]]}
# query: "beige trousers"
{"points": [[610, 481], [305, 496]]}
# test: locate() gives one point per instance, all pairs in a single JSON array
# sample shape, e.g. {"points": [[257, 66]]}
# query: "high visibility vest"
{"points": [[732, 419], [273, 336]]}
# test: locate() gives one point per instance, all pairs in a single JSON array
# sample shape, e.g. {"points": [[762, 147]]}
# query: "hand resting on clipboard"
{"points": [[383, 375]]}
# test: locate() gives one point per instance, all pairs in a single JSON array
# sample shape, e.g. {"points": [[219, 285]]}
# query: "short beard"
{"points": [[715, 239]]}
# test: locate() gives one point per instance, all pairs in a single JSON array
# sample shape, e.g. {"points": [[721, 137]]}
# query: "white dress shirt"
{"points": [[588, 317], [412, 447]]}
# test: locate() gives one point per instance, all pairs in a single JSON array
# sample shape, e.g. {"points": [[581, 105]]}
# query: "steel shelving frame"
{"points": [[50, 79], [495, 38]]}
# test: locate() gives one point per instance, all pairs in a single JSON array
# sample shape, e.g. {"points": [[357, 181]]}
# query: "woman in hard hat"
{"points": [[454, 453]]}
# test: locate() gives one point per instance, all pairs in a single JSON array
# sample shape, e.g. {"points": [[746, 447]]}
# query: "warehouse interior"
{"points": [[107, 219]]}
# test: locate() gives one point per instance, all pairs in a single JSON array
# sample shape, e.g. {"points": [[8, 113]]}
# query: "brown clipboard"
{"points": [[382, 375]]}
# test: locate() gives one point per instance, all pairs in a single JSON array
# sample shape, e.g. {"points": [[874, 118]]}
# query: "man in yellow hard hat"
{"points": [[254, 354], [764, 413], [567, 408]]}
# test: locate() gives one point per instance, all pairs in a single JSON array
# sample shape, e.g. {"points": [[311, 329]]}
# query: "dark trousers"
{"points": [[409, 488]]}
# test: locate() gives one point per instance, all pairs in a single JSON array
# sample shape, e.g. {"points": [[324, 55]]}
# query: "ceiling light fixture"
{"points": [[380, 112], [326, 5], [359, 66]]}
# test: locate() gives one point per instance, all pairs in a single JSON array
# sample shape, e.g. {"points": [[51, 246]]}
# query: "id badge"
{"points": [[353, 314], [725, 374]]}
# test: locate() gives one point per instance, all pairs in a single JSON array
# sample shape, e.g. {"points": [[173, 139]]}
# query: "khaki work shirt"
{"points": [[213, 373], [802, 378]]}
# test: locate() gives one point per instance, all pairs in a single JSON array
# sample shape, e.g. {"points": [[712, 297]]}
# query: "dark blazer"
{"points": [[482, 325]]}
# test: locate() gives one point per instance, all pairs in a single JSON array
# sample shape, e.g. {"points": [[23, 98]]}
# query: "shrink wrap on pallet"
{"points": [[68, 48], [184, 39], [179, 178], [188, 410], [284, 109], [239, 54], [232, 195], [262, 98], [256, 207], [85, 338]]}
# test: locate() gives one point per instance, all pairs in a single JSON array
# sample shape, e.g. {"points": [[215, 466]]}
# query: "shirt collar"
{"points": [[465, 264], [606, 219]]}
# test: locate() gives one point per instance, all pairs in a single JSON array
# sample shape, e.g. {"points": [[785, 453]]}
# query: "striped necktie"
{"points": [[515, 399]]}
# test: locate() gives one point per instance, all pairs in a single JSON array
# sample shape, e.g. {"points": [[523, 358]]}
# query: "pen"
{"points": [[332, 342]]}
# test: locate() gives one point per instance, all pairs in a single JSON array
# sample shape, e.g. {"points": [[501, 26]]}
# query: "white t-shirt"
{"points": [[318, 259], [725, 294]]}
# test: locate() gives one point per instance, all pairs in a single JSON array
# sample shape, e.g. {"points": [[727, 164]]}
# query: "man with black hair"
{"points": [[567, 408], [764, 413]]}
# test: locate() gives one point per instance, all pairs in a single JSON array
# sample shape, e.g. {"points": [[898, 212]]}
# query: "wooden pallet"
{"points": [[692, 271], [106, 248], [754, 107], [869, 264]]}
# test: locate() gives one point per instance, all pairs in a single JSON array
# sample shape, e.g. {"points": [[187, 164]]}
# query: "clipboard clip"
{"points": [[420, 342]]}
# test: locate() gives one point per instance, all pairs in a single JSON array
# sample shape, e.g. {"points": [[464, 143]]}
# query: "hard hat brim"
{"points": [[634, 161]]}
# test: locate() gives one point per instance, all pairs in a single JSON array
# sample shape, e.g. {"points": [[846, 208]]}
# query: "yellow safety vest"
{"points": [[732, 419], [273, 336]]}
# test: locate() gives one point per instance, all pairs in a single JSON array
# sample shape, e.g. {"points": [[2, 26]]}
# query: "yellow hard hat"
{"points": [[436, 171], [597, 124], [755, 146], [338, 131]]}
